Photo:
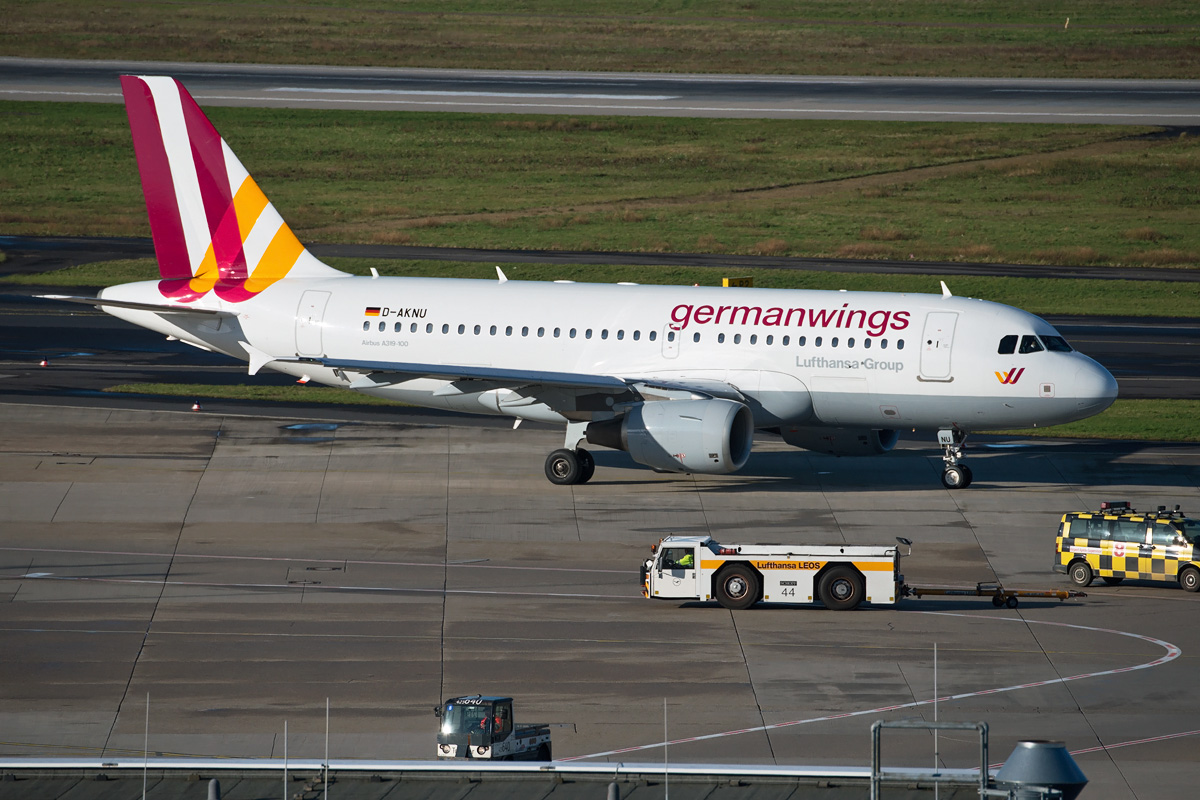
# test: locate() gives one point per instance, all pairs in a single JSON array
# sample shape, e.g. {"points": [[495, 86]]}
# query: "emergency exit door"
{"points": [[936, 343]]}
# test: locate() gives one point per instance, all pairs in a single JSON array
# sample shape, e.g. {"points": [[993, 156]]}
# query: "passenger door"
{"points": [[936, 342]]}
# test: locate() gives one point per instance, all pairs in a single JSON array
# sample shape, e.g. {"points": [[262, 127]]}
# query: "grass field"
{"points": [[1104, 38], [1037, 194]]}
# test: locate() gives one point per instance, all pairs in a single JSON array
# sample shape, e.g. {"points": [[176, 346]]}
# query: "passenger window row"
{"points": [[509, 330], [572, 333]]}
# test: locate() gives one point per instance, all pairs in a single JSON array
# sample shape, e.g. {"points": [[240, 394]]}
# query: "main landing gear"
{"points": [[571, 464], [955, 475], [565, 467]]}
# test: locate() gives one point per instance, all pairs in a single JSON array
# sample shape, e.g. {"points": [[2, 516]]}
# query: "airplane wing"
{"points": [[383, 373], [161, 308]]}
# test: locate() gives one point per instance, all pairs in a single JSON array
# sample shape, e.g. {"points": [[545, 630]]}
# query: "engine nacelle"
{"points": [[841, 441], [708, 436]]}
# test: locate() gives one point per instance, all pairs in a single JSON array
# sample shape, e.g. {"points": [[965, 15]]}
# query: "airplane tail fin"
{"points": [[213, 228]]}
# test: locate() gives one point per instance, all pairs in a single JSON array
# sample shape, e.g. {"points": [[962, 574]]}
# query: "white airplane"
{"points": [[678, 376]]}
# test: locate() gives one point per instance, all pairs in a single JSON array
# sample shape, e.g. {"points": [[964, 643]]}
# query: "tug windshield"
{"points": [[460, 718]]}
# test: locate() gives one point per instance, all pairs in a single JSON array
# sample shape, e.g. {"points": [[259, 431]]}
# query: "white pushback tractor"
{"points": [[739, 575]]}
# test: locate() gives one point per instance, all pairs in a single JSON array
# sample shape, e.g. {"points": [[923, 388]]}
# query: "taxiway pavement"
{"points": [[240, 569]]}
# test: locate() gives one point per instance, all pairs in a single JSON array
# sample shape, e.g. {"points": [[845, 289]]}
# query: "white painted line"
{"points": [[436, 93], [1152, 739], [746, 109], [217, 557], [1147, 118], [1172, 652], [61, 94], [1186, 92]]}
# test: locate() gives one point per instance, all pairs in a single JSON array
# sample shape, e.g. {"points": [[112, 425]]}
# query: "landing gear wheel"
{"points": [[1081, 574], [1189, 579], [841, 588], [563, 467], [737, 587], [956, 474], [587, 465], [956, 477], [1110, 580]]}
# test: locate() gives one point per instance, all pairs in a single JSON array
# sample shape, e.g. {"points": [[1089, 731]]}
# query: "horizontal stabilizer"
{"points": [[158, 308]]}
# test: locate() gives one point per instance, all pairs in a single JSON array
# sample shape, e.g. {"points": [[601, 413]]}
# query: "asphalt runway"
{"points": [[1164, 102]]}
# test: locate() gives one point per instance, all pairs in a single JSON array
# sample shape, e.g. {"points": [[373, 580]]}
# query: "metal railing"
{"points": [[878, 774]]}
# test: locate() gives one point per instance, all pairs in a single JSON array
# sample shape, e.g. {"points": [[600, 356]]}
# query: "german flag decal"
{"points": [[372, 311]]}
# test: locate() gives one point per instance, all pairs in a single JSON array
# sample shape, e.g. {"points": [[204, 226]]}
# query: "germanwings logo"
{"points": [[1010, 377]]}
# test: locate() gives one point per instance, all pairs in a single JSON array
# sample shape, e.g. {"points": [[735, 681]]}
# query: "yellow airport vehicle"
{"points": [[1117, 542]]}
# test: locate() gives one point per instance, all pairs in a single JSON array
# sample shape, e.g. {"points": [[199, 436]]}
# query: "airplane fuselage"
{"points": [[845, 359]]}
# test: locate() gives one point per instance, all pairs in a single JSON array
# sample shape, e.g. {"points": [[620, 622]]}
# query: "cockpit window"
{"points": [[1008, 345], [1030, 344], [1056, 344]]}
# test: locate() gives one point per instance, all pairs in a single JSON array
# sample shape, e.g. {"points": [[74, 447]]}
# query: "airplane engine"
{"points": [[841, 441], [708, 436]]}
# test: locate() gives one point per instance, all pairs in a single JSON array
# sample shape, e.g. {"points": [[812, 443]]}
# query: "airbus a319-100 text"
{"points": [[680, 377]]}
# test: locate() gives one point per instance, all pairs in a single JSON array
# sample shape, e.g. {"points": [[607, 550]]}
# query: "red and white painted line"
{"points": [[1171, 652]]}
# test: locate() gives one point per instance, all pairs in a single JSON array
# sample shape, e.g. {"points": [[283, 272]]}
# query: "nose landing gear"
{"points": [[956, 475]]}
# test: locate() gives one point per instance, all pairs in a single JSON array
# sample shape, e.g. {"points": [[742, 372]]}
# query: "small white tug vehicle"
{"points": [[482, 727]]}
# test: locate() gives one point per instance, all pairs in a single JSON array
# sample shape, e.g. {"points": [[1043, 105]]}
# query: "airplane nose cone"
{"points": [[1095, 388]]}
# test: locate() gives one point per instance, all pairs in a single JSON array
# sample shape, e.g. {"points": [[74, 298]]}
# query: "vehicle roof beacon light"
{"points": [[1037, 764]]}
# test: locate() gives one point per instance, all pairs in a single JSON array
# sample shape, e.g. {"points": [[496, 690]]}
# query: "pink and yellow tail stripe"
{"points": [[214, 230]]}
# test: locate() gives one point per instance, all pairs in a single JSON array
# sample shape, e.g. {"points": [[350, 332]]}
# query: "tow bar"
{"points": [[1000, 596]]}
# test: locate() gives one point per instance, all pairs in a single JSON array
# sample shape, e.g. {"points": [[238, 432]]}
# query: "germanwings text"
{"points": [[874, 323]]}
